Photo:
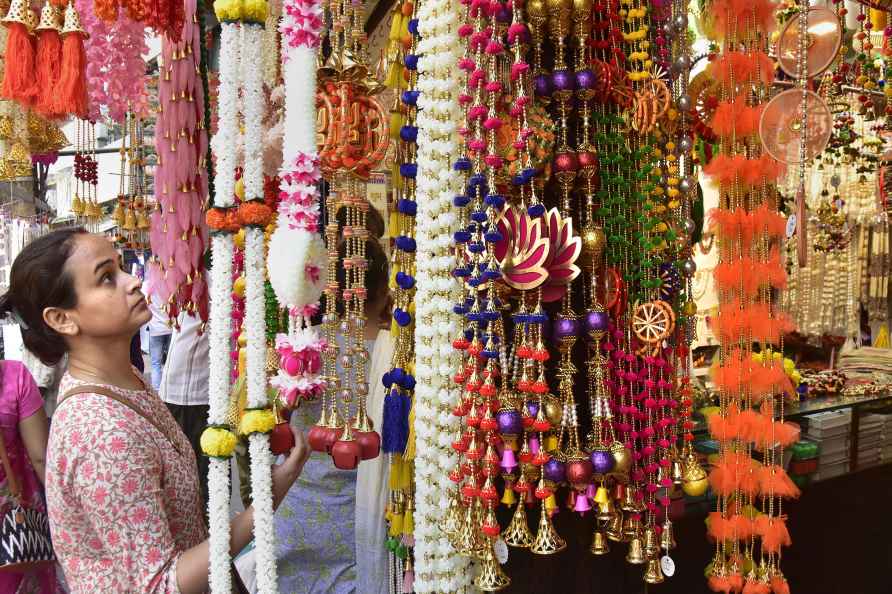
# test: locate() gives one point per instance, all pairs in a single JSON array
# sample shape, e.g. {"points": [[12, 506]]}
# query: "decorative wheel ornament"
{"points": [[652, 322], [670, 281], [703, 91], [611, 290]]}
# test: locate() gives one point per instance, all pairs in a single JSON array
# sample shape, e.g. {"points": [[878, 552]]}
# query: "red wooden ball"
{"points": [[346, 454], [281, 439], [579, 471], [370, 443], [316, 438], [587, 160], [565, 162]]}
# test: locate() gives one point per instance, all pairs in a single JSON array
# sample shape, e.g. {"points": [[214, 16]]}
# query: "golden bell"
{"points": [[548, 541], [491, 577], [50, 18], [118, 214], [627, 503], [600, 546], [606, 510], [130, 220], [517, 533], [667, 537], [631, 526], [677, 472], [651, 544], [18, 13], [623, 458], [614, 528], [77, 207], [636, 556], [73, 22], [468, 538], [654, 573], [451, 521]]}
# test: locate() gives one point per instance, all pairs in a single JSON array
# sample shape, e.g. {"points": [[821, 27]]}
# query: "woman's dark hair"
{"points": [[377, 276], [38, 280], [374, 221]]}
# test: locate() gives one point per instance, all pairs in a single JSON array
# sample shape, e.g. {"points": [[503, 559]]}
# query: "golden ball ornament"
{"points": [[593, 242], [695, 488], [554, 411], [581, 9], [537, 9]]}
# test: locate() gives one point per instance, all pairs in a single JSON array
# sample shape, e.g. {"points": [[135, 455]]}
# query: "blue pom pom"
{"points": [[387, 380], [476, 247], [490, 316], [461, 272], [538, 318], [407, 207], [536, 210], [409, 133], [469, 335], [528, 174], [475, 282], [405, 243], [410, 97], [459, 309], [409, 382], [405, 281], [462, 164], [460, 201], [497, 201], [398, 374], [408, 170], [461, 236], [411, 61], [493, 236], [413, 26], [475, 316], [478, 216], [492, 274]]}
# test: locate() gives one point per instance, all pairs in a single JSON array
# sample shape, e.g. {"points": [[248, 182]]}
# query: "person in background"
{"points": [[159, 334], [23, 429], [184, 386], [47, 379], [122, 492]]}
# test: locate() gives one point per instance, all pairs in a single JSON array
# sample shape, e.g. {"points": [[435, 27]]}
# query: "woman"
{"points": [[23, 429], [315, 527], [122, 486]]}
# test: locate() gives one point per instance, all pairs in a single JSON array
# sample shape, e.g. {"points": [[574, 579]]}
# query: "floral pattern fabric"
{"points": [[123, 502]]}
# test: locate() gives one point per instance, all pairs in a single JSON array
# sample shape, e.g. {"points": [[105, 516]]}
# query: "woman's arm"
{"points": [[194, 564], [34, 431]]}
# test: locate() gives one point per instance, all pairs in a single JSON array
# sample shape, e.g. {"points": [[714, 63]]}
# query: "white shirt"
{"points": [[185, 379], [158, 325]]}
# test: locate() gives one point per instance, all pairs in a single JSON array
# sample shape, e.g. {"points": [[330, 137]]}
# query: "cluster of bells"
{"points": [[132, 221], [87, 209]]}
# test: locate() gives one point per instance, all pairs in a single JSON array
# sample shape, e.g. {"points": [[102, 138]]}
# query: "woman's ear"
{"points": [[61, 321]]}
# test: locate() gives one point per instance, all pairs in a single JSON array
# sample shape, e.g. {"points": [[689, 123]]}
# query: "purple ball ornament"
{"points": [[596, 322], [554, 471], [602, 460], [586, 81], [542, 85], [510, 422], [564, 83], [565, 328], [533, 408]]}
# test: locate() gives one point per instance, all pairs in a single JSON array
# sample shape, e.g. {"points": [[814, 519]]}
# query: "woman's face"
{"points": [[109, 301]]}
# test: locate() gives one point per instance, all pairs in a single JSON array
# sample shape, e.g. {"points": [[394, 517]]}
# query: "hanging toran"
{"points": [[748, 525], [178, 235]]}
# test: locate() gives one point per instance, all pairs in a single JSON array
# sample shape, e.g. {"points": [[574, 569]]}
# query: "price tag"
{"points": [[501, 550], [667, 565], [791, 225]]}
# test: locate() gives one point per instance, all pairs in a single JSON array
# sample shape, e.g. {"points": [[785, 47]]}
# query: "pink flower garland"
{"points": [[178, 233], [116, 71], [302, 23], [299, 195]]}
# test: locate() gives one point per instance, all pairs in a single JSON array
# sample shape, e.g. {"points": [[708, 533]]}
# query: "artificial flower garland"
{"points": [[223, 249], [255, 307], [438, 568]]}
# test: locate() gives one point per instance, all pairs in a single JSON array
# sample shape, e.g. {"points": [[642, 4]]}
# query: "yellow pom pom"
{"points": [[258, 420], [239, 239], [238, 287], [218, 442]]}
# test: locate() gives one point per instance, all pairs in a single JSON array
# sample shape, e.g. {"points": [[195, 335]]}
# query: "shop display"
{"points": [[616, 228]]}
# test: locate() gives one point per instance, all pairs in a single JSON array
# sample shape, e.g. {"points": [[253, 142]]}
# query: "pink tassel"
{"points": [[408, 582]]}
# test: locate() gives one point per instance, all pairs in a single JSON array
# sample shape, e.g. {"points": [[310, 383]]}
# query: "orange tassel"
{"points": [[719, 528], [18, 77], [49, 67], [773, 480], [756, 587], [773, 532], [736, 582], [71, 97], [749, 483], [779, 585], [741, 527], [725, 428], [719, 584]]}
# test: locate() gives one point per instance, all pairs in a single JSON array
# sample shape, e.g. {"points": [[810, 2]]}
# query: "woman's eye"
{"points": [[107, 277]]}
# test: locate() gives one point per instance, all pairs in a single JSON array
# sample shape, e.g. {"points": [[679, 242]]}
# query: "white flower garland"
{"points": [[438, 567], [224, 146], [218, 403], [225, 140], [253, 101], [261, 458]]}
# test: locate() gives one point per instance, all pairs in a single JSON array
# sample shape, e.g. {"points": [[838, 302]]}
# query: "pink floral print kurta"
{"points": [[123, 502]]}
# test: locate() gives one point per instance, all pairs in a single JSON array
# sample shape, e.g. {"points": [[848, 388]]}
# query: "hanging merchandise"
{"points": [[178, 232], [748, 525], [131, 213], [84, 204], [351, 144]]}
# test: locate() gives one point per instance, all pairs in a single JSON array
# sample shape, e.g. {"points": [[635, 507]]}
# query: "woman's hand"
{"points": [[286, 473]]}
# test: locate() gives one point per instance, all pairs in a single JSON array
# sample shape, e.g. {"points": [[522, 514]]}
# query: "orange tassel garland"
{"points": [[18, 77], [71, 97], [746, 275], [729, 470], [735, 118], [774, 433], [726, 170], [736, 582], [719, 583], [740, 67], [730, 14], [753, 321], [49, 69]]}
